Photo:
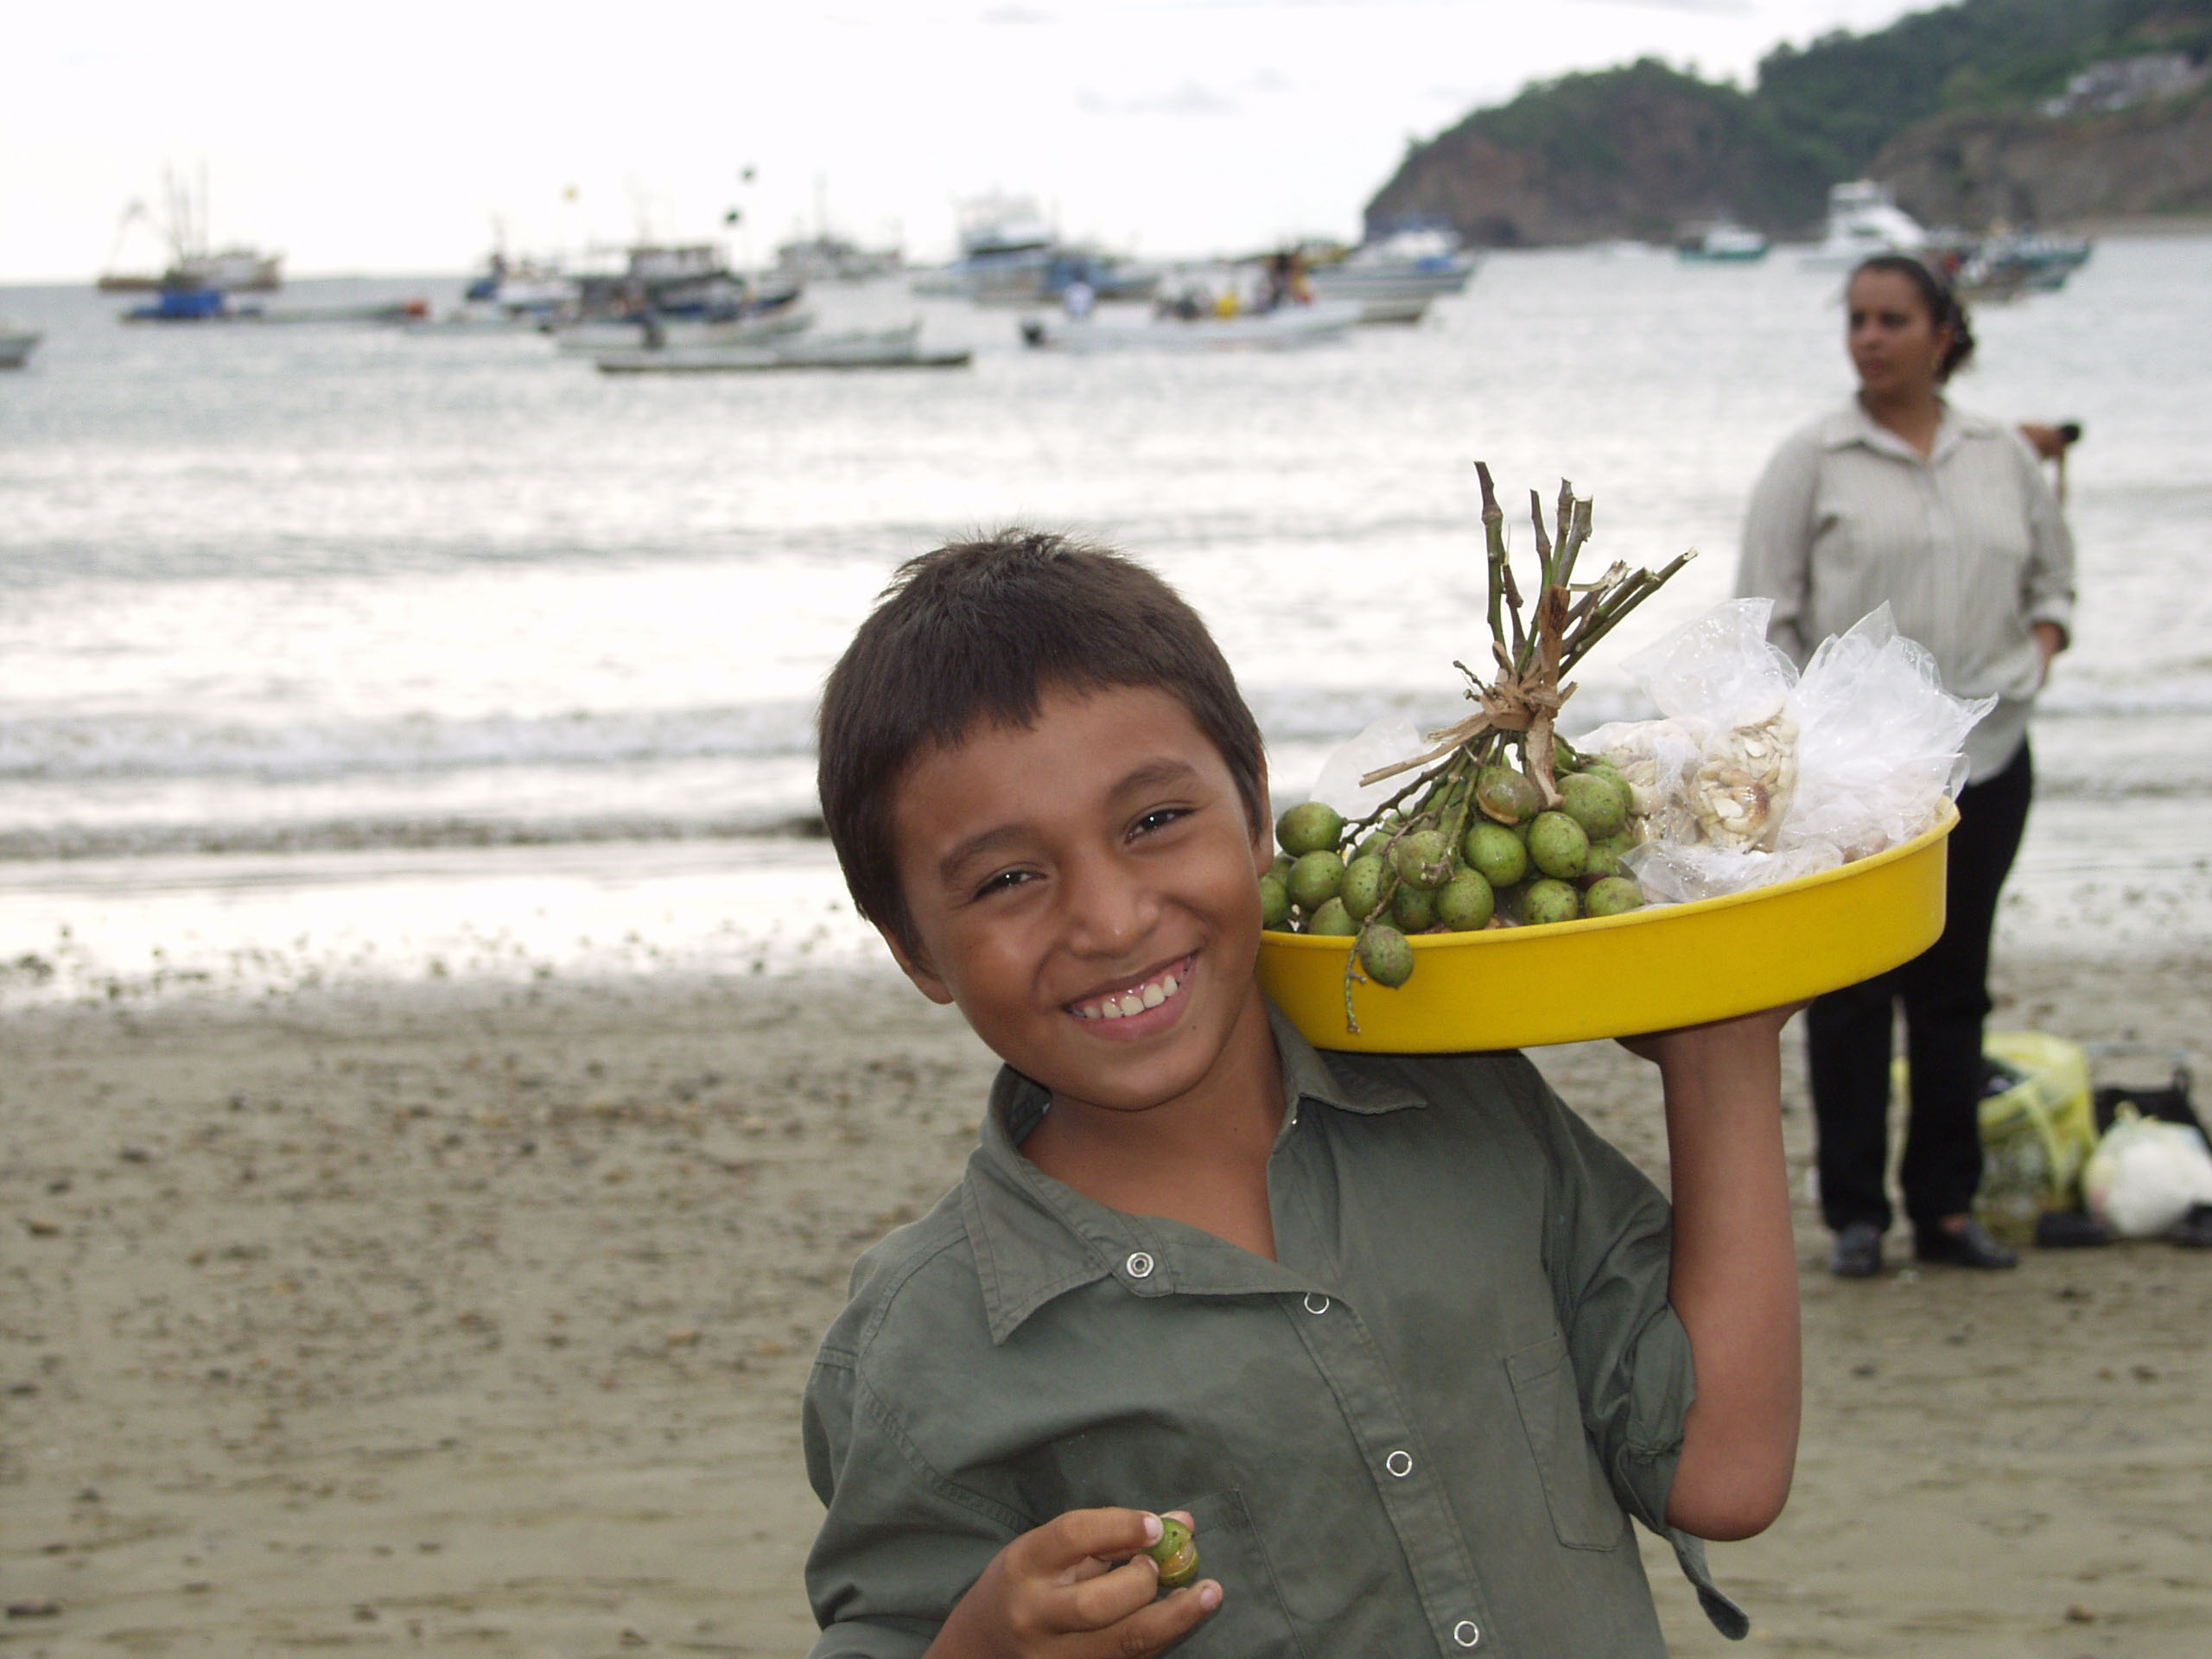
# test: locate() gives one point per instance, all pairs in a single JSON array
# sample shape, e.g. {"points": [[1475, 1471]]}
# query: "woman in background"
{"points": [[1899, 497]]}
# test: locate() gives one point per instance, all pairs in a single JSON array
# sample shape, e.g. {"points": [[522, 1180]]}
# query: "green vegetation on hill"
{"points": [[1845, 96], [1631, 151]]}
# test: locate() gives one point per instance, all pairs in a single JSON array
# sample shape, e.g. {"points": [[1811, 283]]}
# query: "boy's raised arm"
{"points": [[1733, 1276]]}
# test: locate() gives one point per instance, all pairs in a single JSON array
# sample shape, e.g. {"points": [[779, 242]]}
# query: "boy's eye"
{"points": [[1158, 818], [1004, 882]]}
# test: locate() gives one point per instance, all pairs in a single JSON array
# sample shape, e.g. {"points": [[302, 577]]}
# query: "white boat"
{"points": [[1394, 280], [16, 345], [194, 265], [878, 349], [1005, 245], [679, 333], [1283, 328], [1725, 244], [1864, 221]]}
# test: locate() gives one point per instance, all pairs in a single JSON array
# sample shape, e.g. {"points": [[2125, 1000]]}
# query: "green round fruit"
{"points": [[1422, 859], [1362, 888], [1614, 896], [1465, 902], [1550, 900], [1281, 869], [1604, 860], [1177, 1555], [1496, 852], [1331, 921], [1414, 909], [1599, 804], [1372, 843], [1557, 846], [1274, 903], [1386, 955], [1505, 795], [1314, 880], [1309, 826]]}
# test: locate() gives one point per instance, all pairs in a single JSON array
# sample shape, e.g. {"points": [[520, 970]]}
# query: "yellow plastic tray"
{"points": [[1620, 975]]}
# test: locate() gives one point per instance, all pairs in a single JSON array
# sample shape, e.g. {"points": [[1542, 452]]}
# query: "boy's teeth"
{"points": [[1121, 1005]]}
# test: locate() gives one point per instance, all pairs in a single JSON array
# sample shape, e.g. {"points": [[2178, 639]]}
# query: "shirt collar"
{"points": [[1036, 1238], [1851, 424]]}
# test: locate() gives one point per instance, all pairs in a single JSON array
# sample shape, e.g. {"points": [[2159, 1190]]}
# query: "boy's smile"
{"points": [[1084, 888]]}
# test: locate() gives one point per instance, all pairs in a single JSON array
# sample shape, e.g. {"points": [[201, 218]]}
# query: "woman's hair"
{"points": [[1945, 309]]}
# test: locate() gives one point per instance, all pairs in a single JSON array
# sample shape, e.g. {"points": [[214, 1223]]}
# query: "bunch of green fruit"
{"points": [[1503, 825]]}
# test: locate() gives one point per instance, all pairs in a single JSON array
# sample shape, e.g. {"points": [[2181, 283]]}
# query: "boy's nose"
{"points": [[1110, 908]]}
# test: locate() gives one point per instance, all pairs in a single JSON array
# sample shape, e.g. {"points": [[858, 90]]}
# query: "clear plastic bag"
{"points": [[1756, 774]]}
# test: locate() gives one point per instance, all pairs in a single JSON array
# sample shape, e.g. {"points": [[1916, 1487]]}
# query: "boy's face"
{"points": [[1085, 890]]}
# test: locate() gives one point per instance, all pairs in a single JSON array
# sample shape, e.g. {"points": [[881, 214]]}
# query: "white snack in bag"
{"points": [[1756, 774]]}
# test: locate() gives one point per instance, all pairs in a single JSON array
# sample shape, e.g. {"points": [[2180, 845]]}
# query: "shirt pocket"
{"points": [[1585, 1513], [1252, 1619]]}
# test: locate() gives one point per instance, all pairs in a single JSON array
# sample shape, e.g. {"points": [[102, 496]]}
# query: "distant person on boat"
{"points": [[1077, 298], [1899, 497]]}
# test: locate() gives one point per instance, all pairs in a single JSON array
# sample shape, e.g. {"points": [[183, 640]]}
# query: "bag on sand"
{"points": [[2146, 1175]]}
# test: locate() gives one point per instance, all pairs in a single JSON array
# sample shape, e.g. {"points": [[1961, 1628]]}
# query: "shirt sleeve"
{"points": [[2047, 581], [1776, 562], [1609, 1251], [900, 1544]]}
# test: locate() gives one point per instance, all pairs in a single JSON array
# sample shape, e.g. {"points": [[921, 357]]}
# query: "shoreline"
{"points": [[473, 1317]]}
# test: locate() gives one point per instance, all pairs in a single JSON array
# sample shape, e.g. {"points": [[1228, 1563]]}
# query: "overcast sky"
{"points": [[387, 137]]}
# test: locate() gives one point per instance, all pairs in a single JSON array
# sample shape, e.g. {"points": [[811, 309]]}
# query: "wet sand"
{"points": [[472, 1320]]}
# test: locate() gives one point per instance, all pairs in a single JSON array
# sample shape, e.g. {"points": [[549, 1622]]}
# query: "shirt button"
{"points": [[1400, 1463], [1465, 1633], [1316, 1302], [1139, 1265]]}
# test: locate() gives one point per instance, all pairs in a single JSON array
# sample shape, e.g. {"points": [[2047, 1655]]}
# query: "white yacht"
{"points": [[1394, 280], [1865, 220]]}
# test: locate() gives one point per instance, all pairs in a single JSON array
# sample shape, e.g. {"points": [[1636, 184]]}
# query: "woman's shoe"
{"points": [[1969, 1246], [1858, 1252]]}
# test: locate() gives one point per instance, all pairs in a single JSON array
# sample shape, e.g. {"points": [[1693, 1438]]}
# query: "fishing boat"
{"points": [[193, 263], [1396, 278], [1863, 220], [16, 345], [880, 348], [1285, 328], [1005, 245], [1724, 244], [651, 331]]}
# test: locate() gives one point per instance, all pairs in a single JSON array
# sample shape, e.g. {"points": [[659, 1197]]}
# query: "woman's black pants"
{"points": [[1945, 991]]}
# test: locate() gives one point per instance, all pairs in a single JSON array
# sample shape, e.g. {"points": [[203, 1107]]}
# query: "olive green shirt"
{"points": [[1422, 1429]]}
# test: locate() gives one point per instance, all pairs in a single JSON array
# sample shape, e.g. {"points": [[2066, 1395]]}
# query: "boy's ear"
{"points": [[916, 966]]}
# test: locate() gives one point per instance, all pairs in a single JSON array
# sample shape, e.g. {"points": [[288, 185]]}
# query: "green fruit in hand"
{"points": [[1556, 845], [1465, 902], [1309, 826], [1274, 903], [1332, 920], [1414, 909], [1550, 900], [1422, 859], [1362, 888], [1496, 852], [1281, 869], [1599, 804], [1505, 795], [1314, 880], [1177, 1555], [1386, 955], [1614, 896]]}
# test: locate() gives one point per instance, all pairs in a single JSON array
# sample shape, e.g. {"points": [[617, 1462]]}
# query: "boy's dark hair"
{"points": [[1944, 307], [980, 631]]}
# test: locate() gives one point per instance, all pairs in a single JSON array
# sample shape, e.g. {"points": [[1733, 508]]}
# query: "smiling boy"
{"points": [[1403, 1341]]}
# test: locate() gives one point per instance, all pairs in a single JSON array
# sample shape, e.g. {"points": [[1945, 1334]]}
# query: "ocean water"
{"points": [[333, 650]]}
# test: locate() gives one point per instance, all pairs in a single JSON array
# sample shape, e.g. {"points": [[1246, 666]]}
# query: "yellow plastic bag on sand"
{"points": [[2036, 1135]]}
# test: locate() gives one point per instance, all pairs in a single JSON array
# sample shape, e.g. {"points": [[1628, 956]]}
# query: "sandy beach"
{"points": [[472, 1319]]}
